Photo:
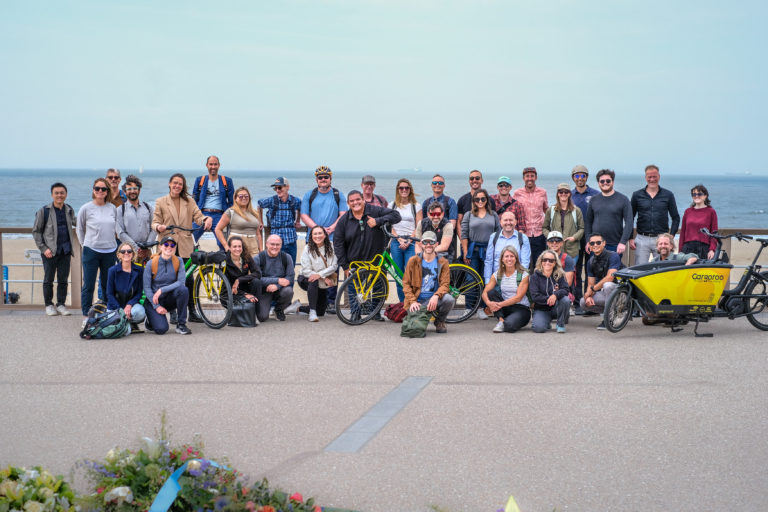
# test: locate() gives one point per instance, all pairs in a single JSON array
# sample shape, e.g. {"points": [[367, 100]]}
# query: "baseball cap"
{"points": [[167, 239], [579, 169], [368, 179], [323, 169], [280, 182], [504, 179], [564, 185], [429, 235], [530, 169], [554, 234]]}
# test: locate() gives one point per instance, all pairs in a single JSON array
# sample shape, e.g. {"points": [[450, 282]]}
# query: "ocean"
{"points": [[739, 200]]}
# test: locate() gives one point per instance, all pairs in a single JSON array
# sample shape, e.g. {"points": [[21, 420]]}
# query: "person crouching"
{"points": [[164, 287], [549, 292]]}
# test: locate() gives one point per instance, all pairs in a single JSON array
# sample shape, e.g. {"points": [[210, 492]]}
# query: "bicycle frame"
{"points": [[380, 264]]}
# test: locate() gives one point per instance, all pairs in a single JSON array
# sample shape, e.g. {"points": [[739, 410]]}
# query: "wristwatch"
{"points": [[592, 288]]}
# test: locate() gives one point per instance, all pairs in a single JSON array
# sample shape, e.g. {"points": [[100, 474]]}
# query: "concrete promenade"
{"points": [[644, 420]]}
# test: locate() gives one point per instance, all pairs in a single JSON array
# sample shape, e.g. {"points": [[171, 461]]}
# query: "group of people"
{"points": [[530, 254]]}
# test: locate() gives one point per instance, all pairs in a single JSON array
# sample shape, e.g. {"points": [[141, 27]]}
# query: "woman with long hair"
{"points": [[96, 228], [477, 228], [243, 222], [568, 219], [506, 294], [125, 283], [410, 216], [699, 215], [549, 293], [242, 272], [318, 272]]}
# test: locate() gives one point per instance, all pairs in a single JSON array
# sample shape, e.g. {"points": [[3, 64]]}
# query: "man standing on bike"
{"points": [[665, 246], [602, 265], [426, 283], [213, 194], [653, 206], [134, 219]]}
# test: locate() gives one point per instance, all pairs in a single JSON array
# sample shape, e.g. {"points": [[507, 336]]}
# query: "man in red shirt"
{"points": [[534, 201]]}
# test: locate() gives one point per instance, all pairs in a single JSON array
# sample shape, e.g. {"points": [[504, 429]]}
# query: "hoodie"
{"points": [[542, 287]]}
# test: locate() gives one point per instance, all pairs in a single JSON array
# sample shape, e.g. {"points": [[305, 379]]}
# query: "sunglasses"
{"points": [[132, 189], [555, 240], [597, 242], [428, 242], [362, 225], [547, 260], [169, 244], [480, 199], [100, 189], [435, 214], [441, 183], [504, 185], [579, 176], [475, 178], [563, 192], [126, 251], [245, 196], [605, 182], [697, 194], [113, 178], [326, 177], [404, 188]]}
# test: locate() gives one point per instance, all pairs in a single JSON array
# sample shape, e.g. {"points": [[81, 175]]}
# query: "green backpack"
{"points": [[415, 324], [104, 326]]}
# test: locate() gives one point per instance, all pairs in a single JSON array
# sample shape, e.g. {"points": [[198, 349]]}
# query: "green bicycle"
{"points": [[362, 295]]}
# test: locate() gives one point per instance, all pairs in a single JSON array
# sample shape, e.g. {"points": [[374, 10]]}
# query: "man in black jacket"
{"points": [[358, 236], [653, 206]]}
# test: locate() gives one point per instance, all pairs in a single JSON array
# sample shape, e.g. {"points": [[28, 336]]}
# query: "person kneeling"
{"points": [[426, 283], [549, 292], [277, 274], [506, 293], [165, 290], [318, 272], [242, 271], [124, 286]]}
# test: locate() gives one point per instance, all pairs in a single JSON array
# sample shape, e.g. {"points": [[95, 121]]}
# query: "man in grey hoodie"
{"points": [[165, 291]]}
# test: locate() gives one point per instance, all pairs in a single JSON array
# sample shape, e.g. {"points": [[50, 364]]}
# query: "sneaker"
{"points": [[330, 310], [62, 310], [147, 326], [182, 329], [549, 326], [272, 311], [560, 330], [378, 317], [174, 317], [135, 329], [85, 322], [440, 327], [578, 311], [51, 310], [192, 316], [313, 316], [303, 313], [481, 315], [590, 313], [293, 308], [601, 327], [499, 326], [280, 314]]}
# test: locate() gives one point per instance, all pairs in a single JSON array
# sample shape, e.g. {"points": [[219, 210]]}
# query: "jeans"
{"points": [[538, 246], [478, 264], [561, 311], [138, 314], [175, 299], [318, 297], [444, 306], [199, 230], [401, 258], [515, 317], [600, 297], [95, 263], [290, 249], [282, 296], [646, 247], [59, 265]]}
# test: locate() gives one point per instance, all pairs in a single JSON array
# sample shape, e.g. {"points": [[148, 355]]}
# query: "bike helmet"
{"points": [[323, 169]]}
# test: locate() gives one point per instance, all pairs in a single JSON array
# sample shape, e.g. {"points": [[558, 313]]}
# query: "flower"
{"points": [[297, 497], [193, 465], [111, 455], [120, 494], [63, 502], [8, 485], [46, 493], [33, 506], [99, 490], [221, 503], [318, 509], [152, 471], [267, 508], [153, 448], [251, 506], [28, 475]]}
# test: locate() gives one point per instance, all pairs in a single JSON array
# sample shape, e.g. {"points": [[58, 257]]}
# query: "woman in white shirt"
{"points": [[410, 216], [318, 272], [506, 293]]}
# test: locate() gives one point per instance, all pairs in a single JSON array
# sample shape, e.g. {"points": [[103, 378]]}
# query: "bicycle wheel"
{"points": [[361, 296], [760, 318], [618, 309], [467, 290], [212, 297]]}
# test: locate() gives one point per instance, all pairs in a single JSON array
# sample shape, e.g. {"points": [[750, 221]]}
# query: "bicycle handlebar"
{"points": [[171, 227], [396, 237], [737, 235]]}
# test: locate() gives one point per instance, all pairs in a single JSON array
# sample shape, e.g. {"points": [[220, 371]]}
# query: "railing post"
{"points": [[76, 274], [727, 249]]}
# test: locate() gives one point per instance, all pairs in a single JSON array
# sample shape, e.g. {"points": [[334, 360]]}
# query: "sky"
{"points": [[384, 85]]}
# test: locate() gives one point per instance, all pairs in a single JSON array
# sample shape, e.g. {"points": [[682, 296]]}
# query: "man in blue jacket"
{"points": [[213, 194]]}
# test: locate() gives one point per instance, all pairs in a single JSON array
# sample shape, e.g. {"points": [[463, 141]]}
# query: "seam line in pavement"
{"points": [[372, 422]]}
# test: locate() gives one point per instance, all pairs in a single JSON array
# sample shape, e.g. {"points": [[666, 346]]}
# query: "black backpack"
{"points": [[263, 260]]}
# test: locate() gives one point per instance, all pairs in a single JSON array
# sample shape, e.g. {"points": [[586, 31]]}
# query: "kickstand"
{"points": [[673, 326], [696, 328]]}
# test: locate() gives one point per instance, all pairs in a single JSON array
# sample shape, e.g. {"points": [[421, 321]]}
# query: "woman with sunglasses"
{"points": [[243, 222], [506, 293], [566, 218], [96, 228], [549, 293], [410, 216], [165, 290], [699, 215], [477, 228], [125, 282]]}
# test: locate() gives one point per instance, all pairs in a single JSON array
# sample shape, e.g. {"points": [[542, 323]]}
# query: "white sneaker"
{"points": [[313, 316], [50, 310], [293, 308], [481, 315], [85, 322], [272, 312], [62, 310], [499, 326]]}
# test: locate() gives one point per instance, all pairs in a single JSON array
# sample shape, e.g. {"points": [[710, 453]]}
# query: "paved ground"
{"points": [[590, 421]]}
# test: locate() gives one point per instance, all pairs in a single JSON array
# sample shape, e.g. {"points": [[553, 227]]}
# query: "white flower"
{"points": [[120, 494], [154, 450], [33, 506], [193, 465], [46, 493], [63, 502], [29, 475], [112, 455]]}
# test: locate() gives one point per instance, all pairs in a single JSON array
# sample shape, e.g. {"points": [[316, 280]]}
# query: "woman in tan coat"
{"points": [[178, 209]]}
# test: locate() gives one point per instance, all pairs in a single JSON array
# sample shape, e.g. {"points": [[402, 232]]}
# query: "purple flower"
{"points": [[221, 503], [195, 473]]}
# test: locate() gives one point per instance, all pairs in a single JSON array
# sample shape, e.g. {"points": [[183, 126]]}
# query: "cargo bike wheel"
{"points": [[618, 309]]}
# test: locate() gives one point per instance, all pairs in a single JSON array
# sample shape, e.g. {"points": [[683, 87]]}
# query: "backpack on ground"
{"points": [[336, 196], [415, 324], [396, 312], [105, 325]]}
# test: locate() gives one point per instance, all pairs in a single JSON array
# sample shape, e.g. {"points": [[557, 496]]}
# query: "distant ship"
{"points": [[737, 173], [141, 169], [415, 169]]}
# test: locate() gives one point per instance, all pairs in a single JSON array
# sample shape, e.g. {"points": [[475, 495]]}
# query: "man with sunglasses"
{"points": [[653, 206], [504, 202], [600, 269], [534, 201], [449, 207], [581, 195], [368, 185], [118, 196], [283, 214], [609, 213], [464, 204], [214, 194], [134, 218]]}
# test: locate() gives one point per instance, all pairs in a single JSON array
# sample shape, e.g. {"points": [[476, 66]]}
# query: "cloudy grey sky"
{"points": [[376, 86]]}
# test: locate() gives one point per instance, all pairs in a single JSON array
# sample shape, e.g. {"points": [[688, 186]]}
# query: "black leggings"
{"points": [[318, 297], [253, 287], [515, 316]]}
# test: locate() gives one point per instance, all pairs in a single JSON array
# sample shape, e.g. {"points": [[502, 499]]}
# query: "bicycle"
{"points": [[211, 289], [365, 291]]}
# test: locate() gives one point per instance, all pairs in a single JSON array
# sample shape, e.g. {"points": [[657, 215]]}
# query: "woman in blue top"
{"points": [[125, 282]]}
